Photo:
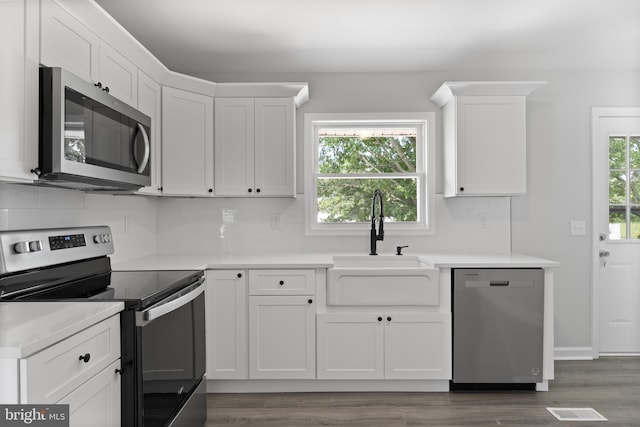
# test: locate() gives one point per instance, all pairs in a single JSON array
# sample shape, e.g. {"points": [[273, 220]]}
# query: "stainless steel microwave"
{"points": [[89, 139]]}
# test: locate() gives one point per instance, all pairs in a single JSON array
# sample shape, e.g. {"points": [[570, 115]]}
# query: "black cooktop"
{"points": [[140, 289], [93, 279]]}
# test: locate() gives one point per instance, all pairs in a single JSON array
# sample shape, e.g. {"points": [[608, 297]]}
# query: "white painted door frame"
{"points": [[596, 115]]}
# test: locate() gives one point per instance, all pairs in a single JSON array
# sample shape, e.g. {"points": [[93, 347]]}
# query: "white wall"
{"points": [[558, 162], [43, 207]]}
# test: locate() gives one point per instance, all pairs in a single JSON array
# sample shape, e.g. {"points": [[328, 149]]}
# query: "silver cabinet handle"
{"points": [[147, 148]]}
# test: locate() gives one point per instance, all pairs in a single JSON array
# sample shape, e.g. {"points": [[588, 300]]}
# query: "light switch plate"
{"points": [[578, 228]]}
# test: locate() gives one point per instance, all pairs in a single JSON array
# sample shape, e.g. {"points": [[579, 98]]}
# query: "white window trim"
{"points": [[426, 123]]}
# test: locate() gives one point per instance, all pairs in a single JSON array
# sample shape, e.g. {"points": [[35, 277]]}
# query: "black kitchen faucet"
{"points": [[376, 235]]}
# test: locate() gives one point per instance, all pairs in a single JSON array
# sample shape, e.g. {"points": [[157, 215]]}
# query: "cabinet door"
{"points": [[150, 103], [226, 311], [19, 99], [282, 337], [118, 74], [234, 147], [66, 42], [417, 346], [491, 145], [96, 402], [275, 147], [350, 346], [187, 143]]}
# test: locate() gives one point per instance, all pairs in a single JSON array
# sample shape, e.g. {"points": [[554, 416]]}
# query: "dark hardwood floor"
{"points": [[609, 385]]}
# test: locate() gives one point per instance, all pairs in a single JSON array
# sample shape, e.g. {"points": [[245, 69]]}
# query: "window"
{"points": [[624, 187], [349, 156]]}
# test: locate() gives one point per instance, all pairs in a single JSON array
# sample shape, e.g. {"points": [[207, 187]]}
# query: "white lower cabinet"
{"points": [[96, 402], [282, 339], [227, 351], [82, 370], [384, 346]]}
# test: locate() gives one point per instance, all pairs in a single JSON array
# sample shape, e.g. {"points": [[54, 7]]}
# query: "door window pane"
{"points": [[617, 152], [624, 187], [635, 223], [617, 222]]}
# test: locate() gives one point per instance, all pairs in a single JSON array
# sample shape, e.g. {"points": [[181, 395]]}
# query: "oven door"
{"points": [[172, 339]]}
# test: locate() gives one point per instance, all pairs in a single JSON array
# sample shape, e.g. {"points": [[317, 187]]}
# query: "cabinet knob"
{"points": [[119, 371], [210, 190], [239, 275], [461, 188], [160, 188], [389, 319], [310, 301], [257, 190], [281, 282], [98, 85], [249, 190], [106, 89], [85, 358], [379, 318]]}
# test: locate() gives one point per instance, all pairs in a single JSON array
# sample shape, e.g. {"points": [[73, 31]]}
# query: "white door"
{"points": [[417, 346], [234, 147], [187, 143], [227, 345], [350, 346], [616, 230], [275, 152], [282, 339]]}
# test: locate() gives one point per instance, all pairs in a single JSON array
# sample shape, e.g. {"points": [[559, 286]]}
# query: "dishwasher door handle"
{"points": [[499, 283]]}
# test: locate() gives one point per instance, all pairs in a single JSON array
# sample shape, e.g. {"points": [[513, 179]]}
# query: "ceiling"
{"points": [[210, 36]]}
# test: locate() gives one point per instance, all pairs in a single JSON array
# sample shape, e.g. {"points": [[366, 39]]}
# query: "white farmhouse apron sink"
{"points": [[382, 280]]}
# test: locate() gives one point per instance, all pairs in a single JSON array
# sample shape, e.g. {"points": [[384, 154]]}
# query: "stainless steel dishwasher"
{"points": [[497, 328]]}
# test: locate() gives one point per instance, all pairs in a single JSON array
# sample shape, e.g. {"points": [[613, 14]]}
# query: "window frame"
{"points": [[425, 171]]}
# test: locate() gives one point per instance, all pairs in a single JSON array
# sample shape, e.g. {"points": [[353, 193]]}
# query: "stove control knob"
{"points": [[35, 245], [107, 238], [21, 247], [98, 238]]}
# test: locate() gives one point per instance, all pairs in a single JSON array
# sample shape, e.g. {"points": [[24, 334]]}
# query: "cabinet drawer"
{"points": [[281, 282], [46, 377]]}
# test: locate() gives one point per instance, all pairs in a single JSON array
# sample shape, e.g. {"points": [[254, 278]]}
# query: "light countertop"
{"points": [[28, 327], [319, 260]]}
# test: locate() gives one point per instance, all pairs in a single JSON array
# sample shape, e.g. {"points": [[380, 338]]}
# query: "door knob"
{"points": [[604, 253]]}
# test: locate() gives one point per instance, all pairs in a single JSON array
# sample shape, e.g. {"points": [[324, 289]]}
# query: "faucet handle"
{"points": [[399, 249]]}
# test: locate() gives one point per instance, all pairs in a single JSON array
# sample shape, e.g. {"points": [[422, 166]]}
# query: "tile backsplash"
{"points": [[146, 225], [42, 207]]}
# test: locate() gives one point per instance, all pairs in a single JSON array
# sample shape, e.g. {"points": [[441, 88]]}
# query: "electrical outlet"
{"points": [[4, 219], [578, 228], [483, 220], [275, 221]]}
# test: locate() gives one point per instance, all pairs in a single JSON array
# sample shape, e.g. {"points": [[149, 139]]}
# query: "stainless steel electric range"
{"points": [[162, 326]]}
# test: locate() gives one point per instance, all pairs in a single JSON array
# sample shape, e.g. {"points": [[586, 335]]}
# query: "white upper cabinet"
{"points": [[118, 75], [484, 130], [68, 43], [150, 103], [187, 143], [19, 99], [255, 147]]}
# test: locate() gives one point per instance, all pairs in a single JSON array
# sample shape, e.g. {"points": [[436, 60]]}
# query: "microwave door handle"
{"points": [[166, 308], [147, 148]]}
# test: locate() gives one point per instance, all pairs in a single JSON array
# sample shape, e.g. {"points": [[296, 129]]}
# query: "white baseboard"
{"points": [[573, 353], [274, 386]]}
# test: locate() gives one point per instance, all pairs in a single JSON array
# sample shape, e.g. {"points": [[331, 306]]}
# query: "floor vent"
{"points": [[576, 414]]}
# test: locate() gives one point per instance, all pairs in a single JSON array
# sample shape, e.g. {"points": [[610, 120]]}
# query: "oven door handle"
{"points": [[172, 305]]}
